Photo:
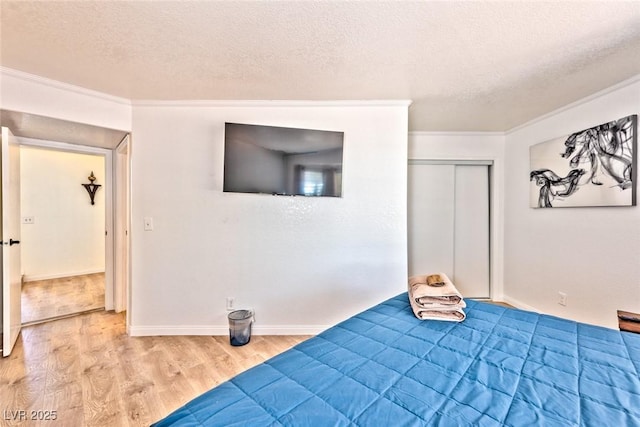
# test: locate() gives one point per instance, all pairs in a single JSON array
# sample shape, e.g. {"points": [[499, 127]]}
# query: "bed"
{"points": [[383, 367]]}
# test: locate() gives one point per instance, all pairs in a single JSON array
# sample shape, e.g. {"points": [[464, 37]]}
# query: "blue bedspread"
{"points": [[384, 367]]}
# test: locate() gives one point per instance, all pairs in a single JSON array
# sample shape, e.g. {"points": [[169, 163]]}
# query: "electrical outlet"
{"points": [[562, 298], [28, 220], [230, 303]]}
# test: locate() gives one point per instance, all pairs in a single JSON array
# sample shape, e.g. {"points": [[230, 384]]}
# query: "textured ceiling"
{"points": [[467, 66]]}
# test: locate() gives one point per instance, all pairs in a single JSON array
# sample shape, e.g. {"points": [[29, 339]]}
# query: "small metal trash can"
{"points": [[240, 327]]}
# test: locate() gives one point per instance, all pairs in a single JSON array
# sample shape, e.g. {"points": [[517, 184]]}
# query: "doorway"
{"points": [[63, 233], [62, 135]]}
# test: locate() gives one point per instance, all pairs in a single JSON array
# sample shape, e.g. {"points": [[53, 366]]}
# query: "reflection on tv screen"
{"points": [[282, 161]]}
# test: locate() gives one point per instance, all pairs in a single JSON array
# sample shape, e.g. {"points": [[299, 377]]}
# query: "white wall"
{"points": [[32, 94], [208, 245], [67, 235], [302, 263], [589, 253], [471, 146]]}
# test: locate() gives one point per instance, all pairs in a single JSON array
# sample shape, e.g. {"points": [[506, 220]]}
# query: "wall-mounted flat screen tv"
{"points": [[282, 161]]}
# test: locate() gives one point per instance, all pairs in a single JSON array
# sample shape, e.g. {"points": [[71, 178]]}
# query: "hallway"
{"points": [[44, 299]]}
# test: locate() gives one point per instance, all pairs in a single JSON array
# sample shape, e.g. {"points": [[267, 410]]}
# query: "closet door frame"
{"points": [[495, 282]]}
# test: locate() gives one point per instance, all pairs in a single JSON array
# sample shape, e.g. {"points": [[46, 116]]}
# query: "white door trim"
{"points": [[122, 234], [109, 203]]}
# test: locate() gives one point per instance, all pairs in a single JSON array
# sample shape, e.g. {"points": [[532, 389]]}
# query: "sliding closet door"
{"points": [[471, 231], [431, 218], [448, 220]]}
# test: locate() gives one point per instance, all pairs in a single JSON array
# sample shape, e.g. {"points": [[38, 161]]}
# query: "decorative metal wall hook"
{"points": [[91, 187]]}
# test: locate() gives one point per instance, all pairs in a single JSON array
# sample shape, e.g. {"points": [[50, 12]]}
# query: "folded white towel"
{"points": [[449, 312], [444, 293]]}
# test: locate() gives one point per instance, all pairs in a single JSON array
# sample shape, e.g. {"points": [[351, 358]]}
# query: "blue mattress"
{"points": [[384, 367]]}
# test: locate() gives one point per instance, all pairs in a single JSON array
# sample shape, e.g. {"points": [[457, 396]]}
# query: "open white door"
{"points": [[11, 274]]}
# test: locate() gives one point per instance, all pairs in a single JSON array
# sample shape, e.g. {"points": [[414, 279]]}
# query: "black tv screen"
{"points": [[282, 161]]}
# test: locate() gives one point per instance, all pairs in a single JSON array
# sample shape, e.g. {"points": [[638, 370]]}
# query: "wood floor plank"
{"points": [[100, 391], [149, 405], [43, 299], [68, 397], [170, 380], [92, 374], [202, 378], [22, 381], [138, 393], [63, 365]]}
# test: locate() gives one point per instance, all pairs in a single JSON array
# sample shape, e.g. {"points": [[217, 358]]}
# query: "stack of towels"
{"points": [[434, 297]]}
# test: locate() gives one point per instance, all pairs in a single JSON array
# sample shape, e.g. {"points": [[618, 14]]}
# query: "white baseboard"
{"points": [[145, 331], [36, 277], [289, 329], [519, 304], [223, 330]]}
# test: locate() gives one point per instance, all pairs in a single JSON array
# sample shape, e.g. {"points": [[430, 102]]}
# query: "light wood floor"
{"points": [[43, 299], [88, 370], [501, 303]]}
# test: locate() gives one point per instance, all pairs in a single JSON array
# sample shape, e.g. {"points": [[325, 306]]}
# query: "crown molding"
{"points": [[455, 133], [271, 103], [55, 84], [4, 71], [610, 89]]}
